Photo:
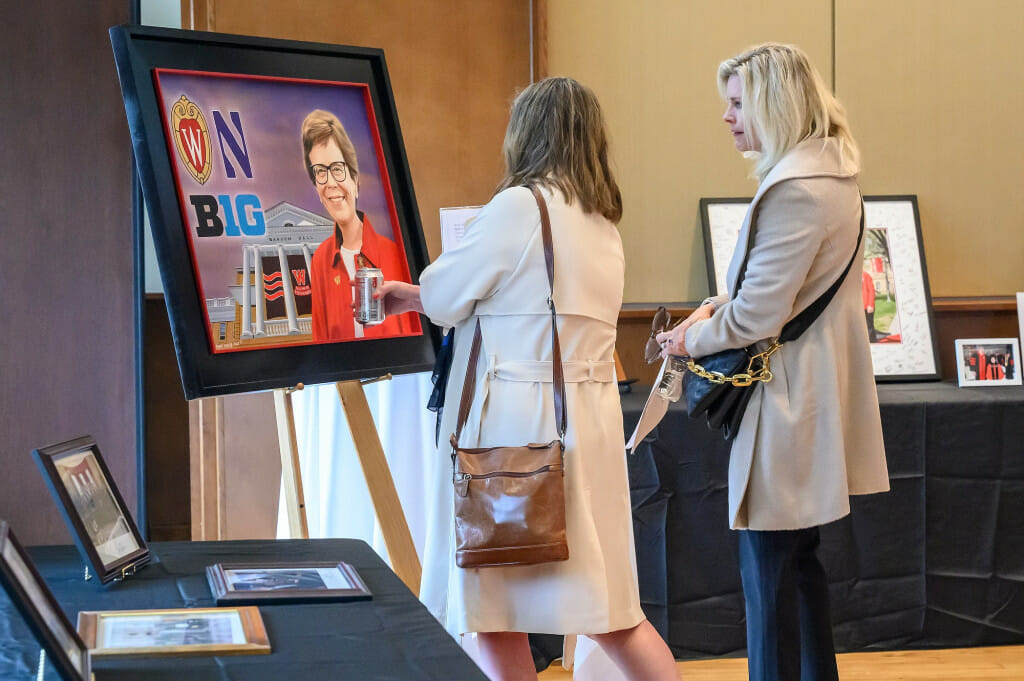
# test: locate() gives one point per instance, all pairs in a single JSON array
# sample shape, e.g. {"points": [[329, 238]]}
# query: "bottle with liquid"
{"points": [[671, 385]]}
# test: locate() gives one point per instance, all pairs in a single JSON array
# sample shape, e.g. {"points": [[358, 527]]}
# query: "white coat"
{"points": [[812, 436], [497, 275]]}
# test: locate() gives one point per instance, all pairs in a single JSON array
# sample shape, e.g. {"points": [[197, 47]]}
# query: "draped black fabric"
{"points": [[391, 637], [938, 561]]}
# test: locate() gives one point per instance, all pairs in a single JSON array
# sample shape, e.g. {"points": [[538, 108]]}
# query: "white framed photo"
{"points": [[1020, 314], [985, 362], [894, 280]]}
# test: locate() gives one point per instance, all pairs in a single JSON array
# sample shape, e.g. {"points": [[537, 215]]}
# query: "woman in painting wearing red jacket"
{"points": [[334, 170]]}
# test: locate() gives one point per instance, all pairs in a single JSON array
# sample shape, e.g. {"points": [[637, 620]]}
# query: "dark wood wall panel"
{"points": [[166, 430], [67, 356]]}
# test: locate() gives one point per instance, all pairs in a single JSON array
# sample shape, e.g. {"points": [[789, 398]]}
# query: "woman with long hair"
{"points": [[556, 142]]}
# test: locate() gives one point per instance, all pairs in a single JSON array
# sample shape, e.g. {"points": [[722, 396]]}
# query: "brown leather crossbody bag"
{"points": [[510, 501]]}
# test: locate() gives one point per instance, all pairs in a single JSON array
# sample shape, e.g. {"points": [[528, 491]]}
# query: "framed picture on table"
{"points": [[100, 522], [177, 632], [987, 362], [894, 280], [266, 583], [67, 652]]}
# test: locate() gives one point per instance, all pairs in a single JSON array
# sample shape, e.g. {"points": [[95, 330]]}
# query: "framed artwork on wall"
{"points": [[987, 362], [100, 522], [894, 280], [257, 237], [43, 615]]}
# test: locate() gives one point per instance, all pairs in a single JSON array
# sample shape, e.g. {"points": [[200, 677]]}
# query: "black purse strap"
{"points": [[557, 374], [795, 327]]}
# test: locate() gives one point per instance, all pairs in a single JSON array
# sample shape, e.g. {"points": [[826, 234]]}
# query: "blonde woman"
{"points": [[555, 141], [812, 436]]}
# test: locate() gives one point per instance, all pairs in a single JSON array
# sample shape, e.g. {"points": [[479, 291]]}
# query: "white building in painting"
{"points": [[290, 231]]}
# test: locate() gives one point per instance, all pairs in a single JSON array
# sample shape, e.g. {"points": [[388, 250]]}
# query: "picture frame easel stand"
{"points": [[376, 472]]}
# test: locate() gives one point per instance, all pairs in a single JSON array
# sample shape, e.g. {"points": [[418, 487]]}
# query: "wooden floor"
{"points": [[1004, 663]]}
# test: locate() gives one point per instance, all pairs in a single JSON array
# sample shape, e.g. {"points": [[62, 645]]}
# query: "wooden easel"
{"points": [[376, 472]]}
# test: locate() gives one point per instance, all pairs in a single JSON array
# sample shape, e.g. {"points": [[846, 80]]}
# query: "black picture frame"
{"points": [[301, 582], [100, 523], [43, 615], [907, 349], [148, 58]]}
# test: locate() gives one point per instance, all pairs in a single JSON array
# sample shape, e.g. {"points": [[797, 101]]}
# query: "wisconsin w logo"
{"points": [[192, 138]]}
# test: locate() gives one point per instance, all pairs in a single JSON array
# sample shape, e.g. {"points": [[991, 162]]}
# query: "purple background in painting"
{"points": [[271, 113]]}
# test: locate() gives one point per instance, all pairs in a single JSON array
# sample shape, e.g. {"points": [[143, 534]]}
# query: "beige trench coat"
{"points": [[497, 275], [812, 436]]}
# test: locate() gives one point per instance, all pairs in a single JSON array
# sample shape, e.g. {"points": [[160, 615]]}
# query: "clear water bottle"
{"points": [[671, 385]]}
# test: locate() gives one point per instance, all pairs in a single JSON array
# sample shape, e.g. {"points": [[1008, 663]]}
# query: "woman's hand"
{"points": [[673, 341], [399, 297]]}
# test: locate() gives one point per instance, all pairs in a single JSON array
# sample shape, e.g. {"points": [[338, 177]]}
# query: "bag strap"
{"points": [[557, 374], [796, 326]]}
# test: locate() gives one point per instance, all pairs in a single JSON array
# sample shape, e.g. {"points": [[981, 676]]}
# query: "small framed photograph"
{"points": [[177, 632], [100, 522], [32, 598], [265, 583], [988, 362], [894, 280]]}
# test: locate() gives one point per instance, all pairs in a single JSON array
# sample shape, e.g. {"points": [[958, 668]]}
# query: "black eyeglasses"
{"points": [[652, 351], [339, 171]]}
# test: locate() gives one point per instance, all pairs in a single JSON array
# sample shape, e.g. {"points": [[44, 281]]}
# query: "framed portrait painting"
{"points": [[273, 173], [32, 598], [264, 583], [894, 280], [100, 522]]}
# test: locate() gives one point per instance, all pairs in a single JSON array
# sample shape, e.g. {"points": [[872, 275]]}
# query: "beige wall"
{"points": [[932, 87], [935, 88]]}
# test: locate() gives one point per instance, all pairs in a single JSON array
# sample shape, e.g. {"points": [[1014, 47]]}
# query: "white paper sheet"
{"points": [[453, 224], [654, 410]]}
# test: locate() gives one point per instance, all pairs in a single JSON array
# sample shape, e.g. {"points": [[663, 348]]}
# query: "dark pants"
{"points": [[789, 628]]}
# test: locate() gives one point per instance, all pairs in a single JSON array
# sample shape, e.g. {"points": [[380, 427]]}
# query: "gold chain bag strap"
{"points": [[510, 501]]}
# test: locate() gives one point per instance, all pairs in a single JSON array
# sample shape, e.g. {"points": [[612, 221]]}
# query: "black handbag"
{"points": [[720, 385]]}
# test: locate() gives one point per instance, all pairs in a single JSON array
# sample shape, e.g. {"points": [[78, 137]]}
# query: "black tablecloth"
{"points": [[391, 637], [937, 561]]}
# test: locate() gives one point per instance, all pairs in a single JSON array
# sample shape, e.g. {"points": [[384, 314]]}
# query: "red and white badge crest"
{"points": [[192, 138]]}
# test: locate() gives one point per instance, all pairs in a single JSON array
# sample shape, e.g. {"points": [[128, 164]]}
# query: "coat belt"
{"points": [[532, 371]]}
